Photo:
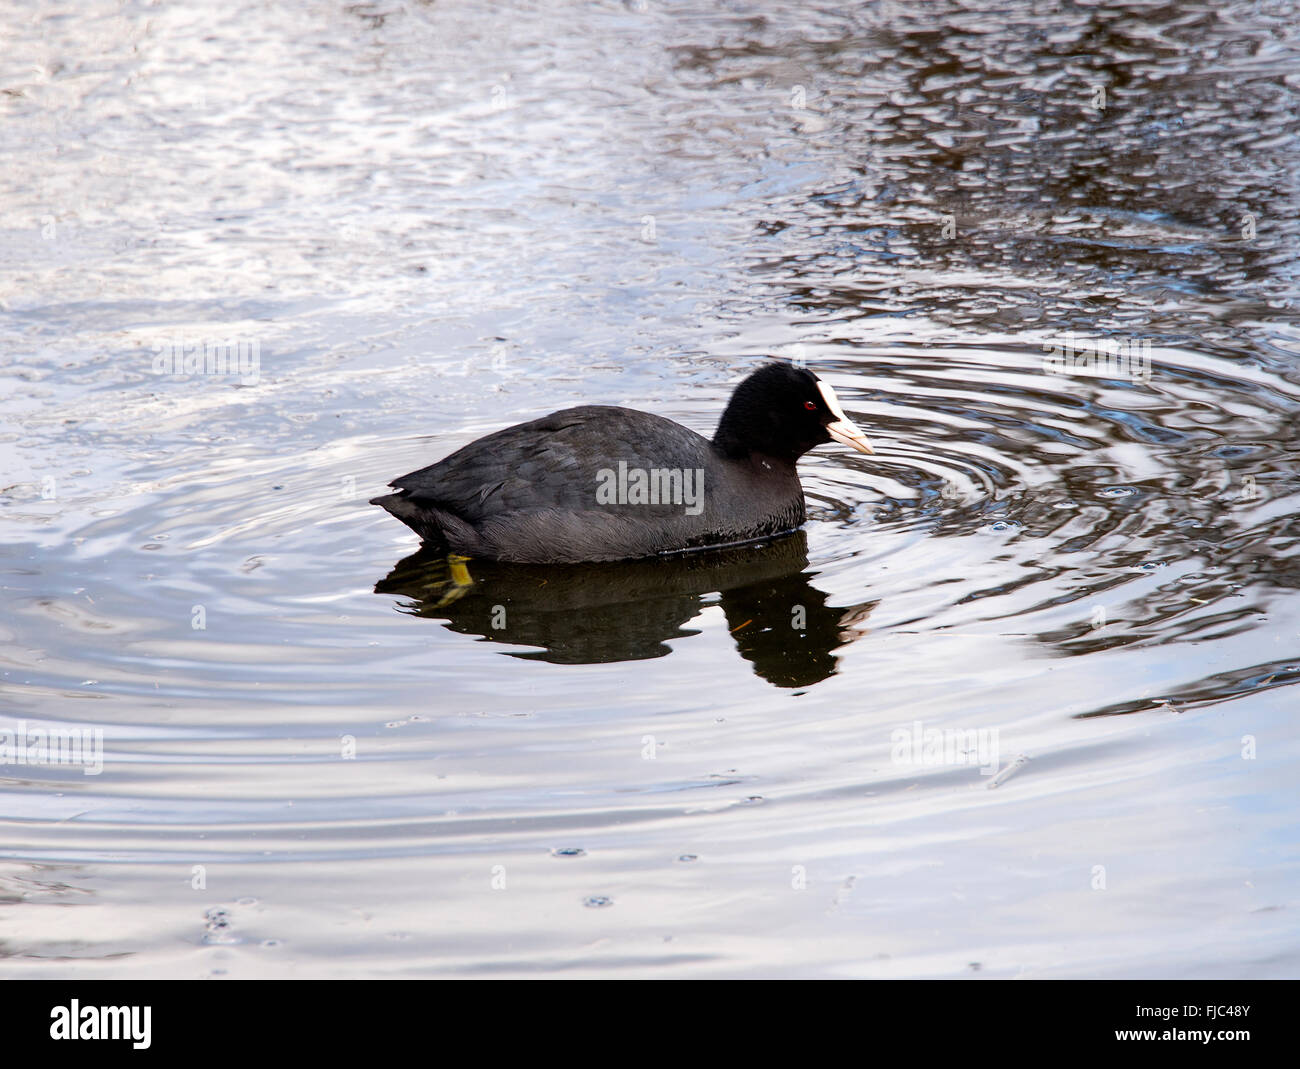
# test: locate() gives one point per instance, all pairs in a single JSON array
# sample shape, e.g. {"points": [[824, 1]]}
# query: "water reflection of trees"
{"points": [[1032, 166]]}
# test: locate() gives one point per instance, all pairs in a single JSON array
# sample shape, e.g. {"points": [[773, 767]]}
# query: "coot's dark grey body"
{"points": [[531, 493]]}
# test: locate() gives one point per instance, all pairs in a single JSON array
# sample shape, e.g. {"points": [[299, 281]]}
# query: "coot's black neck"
{"points": [[736, 439], [729, 443]]}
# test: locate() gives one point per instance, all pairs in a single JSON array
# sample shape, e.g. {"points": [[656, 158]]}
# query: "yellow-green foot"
{"points": [[460, 580]]}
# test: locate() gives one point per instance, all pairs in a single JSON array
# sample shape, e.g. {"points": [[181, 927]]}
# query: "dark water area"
{"points": [[591, 614], [1014, 703]]}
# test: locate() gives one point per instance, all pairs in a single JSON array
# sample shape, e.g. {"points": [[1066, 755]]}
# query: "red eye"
{"points": [[810, 405]]}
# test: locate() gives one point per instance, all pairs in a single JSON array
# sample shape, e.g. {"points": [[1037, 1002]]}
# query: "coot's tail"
{"points": [[424, 521]]}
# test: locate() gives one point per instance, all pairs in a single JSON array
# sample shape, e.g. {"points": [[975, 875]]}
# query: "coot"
{"points": [[597, 483]]}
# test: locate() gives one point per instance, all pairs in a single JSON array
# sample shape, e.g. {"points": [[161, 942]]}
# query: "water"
{"points": [[433, 221]]}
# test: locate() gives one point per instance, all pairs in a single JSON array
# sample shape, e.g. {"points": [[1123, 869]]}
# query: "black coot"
{"points": [[597, 483]]}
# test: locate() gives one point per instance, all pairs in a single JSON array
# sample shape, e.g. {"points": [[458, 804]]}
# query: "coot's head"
{"points": [[783, 411]]}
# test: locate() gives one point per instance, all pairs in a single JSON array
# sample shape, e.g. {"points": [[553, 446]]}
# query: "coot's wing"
{"points": [[552, 463]]}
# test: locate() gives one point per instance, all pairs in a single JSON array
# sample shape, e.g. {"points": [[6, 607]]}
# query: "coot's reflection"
{"points": [[596, 613]]}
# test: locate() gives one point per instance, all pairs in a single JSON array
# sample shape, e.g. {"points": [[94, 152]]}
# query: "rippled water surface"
{"points": [[323, 754]]}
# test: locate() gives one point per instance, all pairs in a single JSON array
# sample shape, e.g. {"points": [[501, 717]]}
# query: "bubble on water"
{"points": [[1004, 525], [1118, 491], [216, 930], [688, 857], [597, 901], [1151, 565], [569, 851]]}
